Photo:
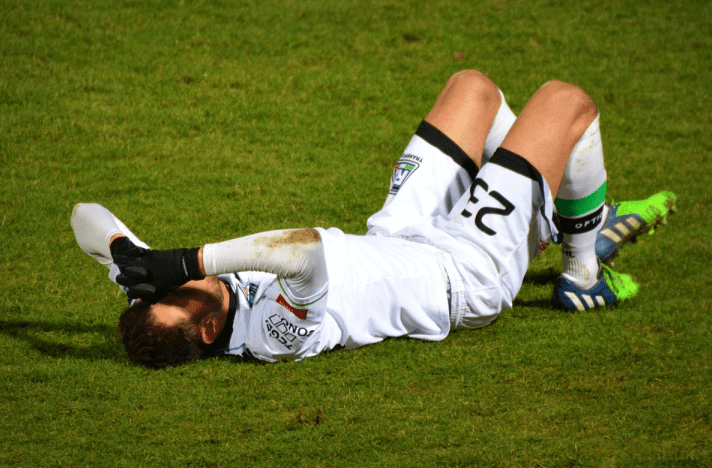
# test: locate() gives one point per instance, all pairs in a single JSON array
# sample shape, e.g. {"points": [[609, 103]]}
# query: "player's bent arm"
{"points": [[297, 255], [94, 228]]}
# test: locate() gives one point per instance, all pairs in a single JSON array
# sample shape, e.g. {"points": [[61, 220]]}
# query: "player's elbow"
{"points": [[302, 236], [81, 211]]}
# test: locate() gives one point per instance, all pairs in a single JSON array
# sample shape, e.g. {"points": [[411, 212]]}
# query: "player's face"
{"points": [[190, 303]]}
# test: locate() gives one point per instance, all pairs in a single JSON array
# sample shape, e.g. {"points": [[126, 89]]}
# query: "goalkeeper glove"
{"points": [[152, 274]]}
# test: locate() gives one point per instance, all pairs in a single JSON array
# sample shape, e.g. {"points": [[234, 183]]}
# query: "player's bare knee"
{"points": [[571, 101], [475, 84]]}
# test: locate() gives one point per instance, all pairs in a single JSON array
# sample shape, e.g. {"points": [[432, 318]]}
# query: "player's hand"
{"points": [[123, 247], [152, 274]]}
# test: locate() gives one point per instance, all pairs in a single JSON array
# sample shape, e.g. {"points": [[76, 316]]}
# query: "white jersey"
{"points": [[379, 287]]}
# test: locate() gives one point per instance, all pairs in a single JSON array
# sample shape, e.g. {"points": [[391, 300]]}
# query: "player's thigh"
{"points": [[465, 110]]}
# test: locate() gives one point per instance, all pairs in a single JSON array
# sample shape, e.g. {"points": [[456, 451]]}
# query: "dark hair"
{"points": [[154, 345]]}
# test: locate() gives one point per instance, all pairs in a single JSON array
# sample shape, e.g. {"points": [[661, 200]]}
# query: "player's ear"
{"points": [[209, 329]]}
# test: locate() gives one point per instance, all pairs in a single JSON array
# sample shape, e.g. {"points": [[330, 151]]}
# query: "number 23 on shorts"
{"points": [[506, 209]]}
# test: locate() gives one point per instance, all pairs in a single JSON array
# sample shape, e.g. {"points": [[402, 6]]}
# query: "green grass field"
{"points": [[200, 121]]}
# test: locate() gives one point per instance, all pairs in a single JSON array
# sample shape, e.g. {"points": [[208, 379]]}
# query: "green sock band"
{"points": [[576, 208]]}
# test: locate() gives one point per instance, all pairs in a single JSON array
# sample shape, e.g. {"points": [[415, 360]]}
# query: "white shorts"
{"points": [[492, 222]]}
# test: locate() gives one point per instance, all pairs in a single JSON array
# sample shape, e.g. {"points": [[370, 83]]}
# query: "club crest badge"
{"points": [[404, 168], [250, 289]]}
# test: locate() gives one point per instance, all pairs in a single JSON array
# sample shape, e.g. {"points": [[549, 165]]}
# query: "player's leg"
{"points": [[570, 157], [508, 212], [558, 133], [549, 127], [553, 141], [465, 126]]}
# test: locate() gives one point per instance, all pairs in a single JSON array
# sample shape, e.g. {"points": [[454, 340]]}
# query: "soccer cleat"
{"points": [[627, 220], [611, 288]]}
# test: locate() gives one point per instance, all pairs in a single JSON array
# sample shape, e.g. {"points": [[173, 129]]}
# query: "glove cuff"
{"points": [[191, 266]]}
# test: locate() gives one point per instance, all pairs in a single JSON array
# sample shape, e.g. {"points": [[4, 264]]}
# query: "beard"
{"points": [[198, 298]]}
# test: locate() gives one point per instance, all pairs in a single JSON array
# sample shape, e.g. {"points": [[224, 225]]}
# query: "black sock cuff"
{"points": [[580, 225]]}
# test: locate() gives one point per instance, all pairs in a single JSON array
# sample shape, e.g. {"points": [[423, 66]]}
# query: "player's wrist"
{"points": [[115, 236], [201, 265], [191, 264]]}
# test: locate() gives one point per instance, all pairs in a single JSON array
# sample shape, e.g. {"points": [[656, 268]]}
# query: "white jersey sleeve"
{"points": [[93, 227]]}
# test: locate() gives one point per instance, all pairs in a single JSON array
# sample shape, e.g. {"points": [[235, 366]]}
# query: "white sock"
{"points": [[503, 121], [580, 204]]}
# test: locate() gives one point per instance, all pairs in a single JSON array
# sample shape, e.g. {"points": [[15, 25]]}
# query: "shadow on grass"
{"points": [[534, 303], [59, 347], [61, 339], [544, 278]]}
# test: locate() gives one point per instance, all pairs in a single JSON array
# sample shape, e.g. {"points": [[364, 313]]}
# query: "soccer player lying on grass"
{"points": [[476, 195]]}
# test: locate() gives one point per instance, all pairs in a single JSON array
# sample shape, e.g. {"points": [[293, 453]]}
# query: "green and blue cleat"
{"points": [[611, 288], [627, 220], [624, 223]]}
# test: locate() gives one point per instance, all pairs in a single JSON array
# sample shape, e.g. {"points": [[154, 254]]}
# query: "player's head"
{"points": [[175, 330]]}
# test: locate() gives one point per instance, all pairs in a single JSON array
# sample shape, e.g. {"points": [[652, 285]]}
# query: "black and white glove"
{"points": [[152, 274]]}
